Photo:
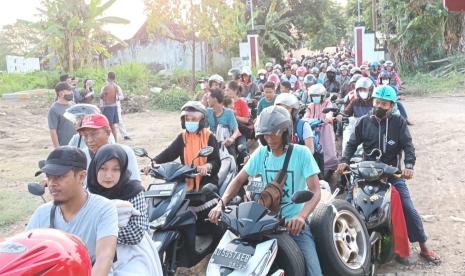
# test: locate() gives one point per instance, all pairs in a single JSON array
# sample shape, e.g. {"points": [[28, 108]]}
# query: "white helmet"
{"points": [[216, 78], [246, 70], [287, 100], [317, 89]]}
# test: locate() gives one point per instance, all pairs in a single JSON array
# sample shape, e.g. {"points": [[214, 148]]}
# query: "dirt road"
{"points": [[438, 189]]}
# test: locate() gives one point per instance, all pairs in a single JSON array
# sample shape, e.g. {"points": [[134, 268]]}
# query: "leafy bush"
{"points": [[172, 99], [14, 82], [423, 84]]}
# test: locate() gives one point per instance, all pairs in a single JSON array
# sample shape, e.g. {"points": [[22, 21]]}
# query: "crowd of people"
{"points": [[276, 107]]}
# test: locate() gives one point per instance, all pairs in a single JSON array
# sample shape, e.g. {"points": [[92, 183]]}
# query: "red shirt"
{"points": [[241, 108]]}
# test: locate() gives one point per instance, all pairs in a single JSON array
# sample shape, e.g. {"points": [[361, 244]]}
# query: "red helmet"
{"points": [[274, 79], [47, 252], [301, 71]]}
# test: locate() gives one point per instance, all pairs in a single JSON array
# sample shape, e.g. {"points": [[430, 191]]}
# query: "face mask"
{"points": [[68, 97], [301, 78], [316, 100], [192, 126], [385, 82], [363, 95], [379, 112], [202, 86], [262, 77]]}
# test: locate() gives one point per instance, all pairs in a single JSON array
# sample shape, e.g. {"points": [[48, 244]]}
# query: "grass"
{"points": [[424, 84], [15, 206]]}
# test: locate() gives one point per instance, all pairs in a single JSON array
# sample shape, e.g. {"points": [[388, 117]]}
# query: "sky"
{"points": [[133, 10]]}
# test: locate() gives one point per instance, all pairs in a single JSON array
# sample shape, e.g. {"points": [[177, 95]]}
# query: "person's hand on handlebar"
{"points": [[341, 167], [339, 118], [407, 173], [215, 213], [204, 169], [146, 169]]}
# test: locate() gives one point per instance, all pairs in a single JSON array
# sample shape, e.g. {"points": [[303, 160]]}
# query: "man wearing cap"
{"points": [[95, 131], [61, 129], [92, 218]]}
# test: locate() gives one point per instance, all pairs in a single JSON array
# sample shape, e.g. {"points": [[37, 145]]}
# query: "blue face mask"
{"points": [[316, 100], [192, 126]]}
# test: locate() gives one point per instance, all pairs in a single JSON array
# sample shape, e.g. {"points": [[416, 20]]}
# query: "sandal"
{"points": [[431, 257]]}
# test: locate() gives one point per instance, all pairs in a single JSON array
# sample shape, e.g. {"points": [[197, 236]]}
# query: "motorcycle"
{"points": [[361, 230], [255, 241], [181, 238]]}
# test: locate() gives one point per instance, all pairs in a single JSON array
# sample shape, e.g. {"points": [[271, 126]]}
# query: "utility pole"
{"points": [[373, 15], [251, 13], [359, 11]]}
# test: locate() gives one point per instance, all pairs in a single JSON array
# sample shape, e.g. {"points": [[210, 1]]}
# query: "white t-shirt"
{"points": [[307, 131]]}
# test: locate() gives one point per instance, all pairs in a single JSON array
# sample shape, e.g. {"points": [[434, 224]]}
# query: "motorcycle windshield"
{"points": [[250, 219], [173, 170]]}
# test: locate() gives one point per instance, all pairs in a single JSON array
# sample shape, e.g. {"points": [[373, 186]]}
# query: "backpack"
{"points": [[299, 132]]}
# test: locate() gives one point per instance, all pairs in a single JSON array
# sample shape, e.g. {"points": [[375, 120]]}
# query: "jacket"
{"points": [[390, 135]]}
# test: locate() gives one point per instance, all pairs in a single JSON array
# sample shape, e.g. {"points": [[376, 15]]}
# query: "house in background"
{"points": [[162, 52]]}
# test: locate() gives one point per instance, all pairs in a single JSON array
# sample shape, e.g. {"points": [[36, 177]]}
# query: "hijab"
{"points": [[126, 188]]}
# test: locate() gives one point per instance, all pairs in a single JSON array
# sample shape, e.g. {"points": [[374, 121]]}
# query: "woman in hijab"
{"points": [[109, 177]]}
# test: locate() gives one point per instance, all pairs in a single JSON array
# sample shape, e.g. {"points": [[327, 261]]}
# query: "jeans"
{"points": [[402, 110], [416, 233], [307, 245]]}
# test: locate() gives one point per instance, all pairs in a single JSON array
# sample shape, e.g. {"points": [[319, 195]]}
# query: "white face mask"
{"points": [[363, 95], [385, 82], [202, 86]]}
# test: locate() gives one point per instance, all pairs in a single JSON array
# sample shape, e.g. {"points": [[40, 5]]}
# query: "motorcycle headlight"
{"points": [[159, 222], [369, 173]]}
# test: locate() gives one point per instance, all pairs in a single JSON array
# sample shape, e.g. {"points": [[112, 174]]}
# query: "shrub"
{"points": [[172, 99]]}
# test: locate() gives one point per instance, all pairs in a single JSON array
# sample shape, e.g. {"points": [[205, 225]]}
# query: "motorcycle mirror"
{"points": [[206, 151], [242, 148], [301, 196], [141, 152], [209, 189], [36, 188], [41, 164], [330, 109]]}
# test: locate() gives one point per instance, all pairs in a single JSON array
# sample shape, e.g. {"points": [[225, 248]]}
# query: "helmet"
{"points": [[274, 120], [389, 63], [301, 71], [364, 67], [323, 65], [294, 66], [278, 67], [309, 79], [364, 83], [194, 108], [246, 70], [269, 64], [350, 66], [78, 111], [355, 70], [344, 67], [294, 61], [215, 78], [288, 100], [331, 69], [375, 64], [384, 75], [274, 79], [385, 92], [314, 70], [234, 73], [355, 78], [48, 251], [262, 72], [317, 89]]}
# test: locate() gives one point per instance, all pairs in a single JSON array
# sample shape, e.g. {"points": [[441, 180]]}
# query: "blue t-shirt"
{"points": [[264, 103], [292, 79], [227, 119], [301, 166]]}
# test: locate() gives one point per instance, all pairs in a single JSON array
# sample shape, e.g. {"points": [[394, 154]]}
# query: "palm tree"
{"points": [[275, 32]]}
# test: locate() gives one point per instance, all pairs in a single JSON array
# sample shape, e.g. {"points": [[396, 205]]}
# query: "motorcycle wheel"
{"points": [[342, 239], [289, 257]]}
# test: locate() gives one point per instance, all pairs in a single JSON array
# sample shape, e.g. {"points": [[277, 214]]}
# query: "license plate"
{"points": [[234, 256], [256, 187], [161, 189]]}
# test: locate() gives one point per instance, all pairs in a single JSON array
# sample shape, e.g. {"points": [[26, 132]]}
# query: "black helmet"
{"points": [[274, 120], [234, 73], [195, 108]]}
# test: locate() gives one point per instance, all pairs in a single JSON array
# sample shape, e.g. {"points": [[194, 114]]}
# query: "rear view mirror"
{"points": [[330, 109], [141, 152], [209, 189], [301, 196], [242, 148], [206, 151], [36, 188]]}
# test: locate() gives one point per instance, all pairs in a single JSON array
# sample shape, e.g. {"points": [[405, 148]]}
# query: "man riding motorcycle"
{"points": [[388, 132], [274, 129]]}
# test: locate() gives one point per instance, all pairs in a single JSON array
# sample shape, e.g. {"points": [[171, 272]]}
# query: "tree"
{"points": [[73, 31]]}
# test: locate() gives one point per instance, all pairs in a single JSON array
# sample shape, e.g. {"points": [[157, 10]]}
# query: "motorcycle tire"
{"points": [[289, 257], [342, 218]]}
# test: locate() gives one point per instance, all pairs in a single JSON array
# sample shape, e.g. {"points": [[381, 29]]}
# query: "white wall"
{"points": [[17, 64]]}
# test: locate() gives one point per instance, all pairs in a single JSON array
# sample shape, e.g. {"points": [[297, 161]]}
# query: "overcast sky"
{"points": [[133, 10]]}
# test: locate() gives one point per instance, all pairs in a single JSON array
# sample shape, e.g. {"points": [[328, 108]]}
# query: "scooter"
{"points": [[182, 239], [255, 241]]}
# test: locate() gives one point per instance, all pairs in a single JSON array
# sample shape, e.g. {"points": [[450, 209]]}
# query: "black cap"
{"points": [[62, 86], [61, 160]]}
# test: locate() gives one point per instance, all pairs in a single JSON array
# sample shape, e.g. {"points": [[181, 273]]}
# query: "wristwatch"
{"points": [[409, 166]]}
